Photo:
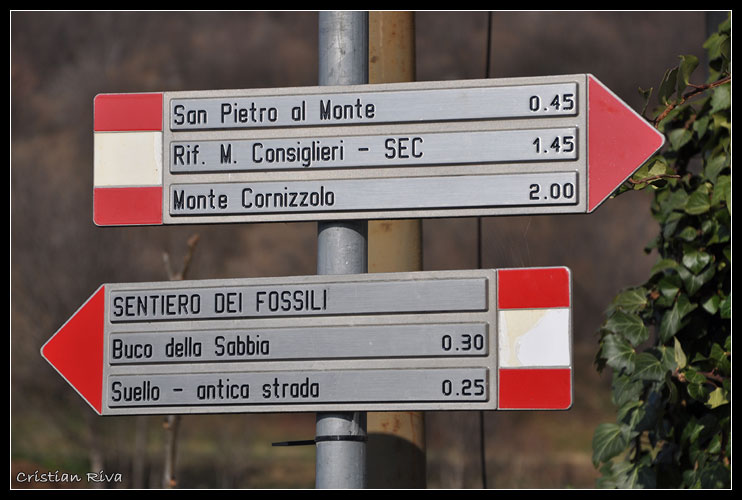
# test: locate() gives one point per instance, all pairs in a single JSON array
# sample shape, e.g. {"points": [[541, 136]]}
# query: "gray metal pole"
{"points": [[342, 248]]}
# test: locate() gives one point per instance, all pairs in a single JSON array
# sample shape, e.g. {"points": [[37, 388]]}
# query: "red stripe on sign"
{"points": [[76, 350], [127, 112], [535, 389], [531, 288], [127, 206]]}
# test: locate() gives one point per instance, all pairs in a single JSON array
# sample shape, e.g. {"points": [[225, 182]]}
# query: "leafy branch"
{"points": [[697, 89], [668, 340]]}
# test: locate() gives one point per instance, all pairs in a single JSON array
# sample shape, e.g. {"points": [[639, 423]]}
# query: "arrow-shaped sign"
{"points": [[487, 339], [547, 145]]}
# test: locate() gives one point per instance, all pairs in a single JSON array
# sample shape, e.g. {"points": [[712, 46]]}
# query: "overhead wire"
{"points": [[482, 440]]}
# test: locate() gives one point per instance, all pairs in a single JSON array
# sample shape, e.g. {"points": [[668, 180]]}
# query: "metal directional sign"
{"points": [[546, 145], [437, 340]]}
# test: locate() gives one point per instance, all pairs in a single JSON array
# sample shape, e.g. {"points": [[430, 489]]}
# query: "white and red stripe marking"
{"points": [[534, 339], [127, 174]]}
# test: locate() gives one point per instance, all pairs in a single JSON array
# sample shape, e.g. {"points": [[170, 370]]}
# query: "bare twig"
{"points": [[171, 426], [172, 422], [192, 242], [697, 89], [713, 378], [654, 178]]}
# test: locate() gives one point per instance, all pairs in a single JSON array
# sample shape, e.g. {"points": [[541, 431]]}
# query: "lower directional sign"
{"points": [[441, 340]]}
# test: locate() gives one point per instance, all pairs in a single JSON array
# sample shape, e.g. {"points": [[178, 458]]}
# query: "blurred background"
{"points": [[61, 60]]}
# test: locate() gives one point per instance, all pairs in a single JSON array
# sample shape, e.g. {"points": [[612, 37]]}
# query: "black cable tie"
{"points": [[295, 443], [322, 439]]}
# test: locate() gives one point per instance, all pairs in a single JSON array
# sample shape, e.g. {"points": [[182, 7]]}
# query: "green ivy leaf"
{"points": [[669, 285], [695, 261], [607, 480], [685, 306], [726, 307], [717, 398], [700, 126], [668, 86], [679, 137], [715, 446], [720, 232], [680, 357], [628, 416], [714, 166], [630, 326], [631, 300], [647, 173], [722, 191], [618, 353], [608, 441], [698, 392], [635, 475], [696, 384], [709, 227], [698, 202], [714, 45], [721, 99], [721, 361], [672, 320], [691, 431], [642, 173], [712, 304], [688, 233], [667, 358], [659, 167], [694, 282], [686, 67], [648, 367], [671, 223], [721, 121], [670, 200], [625, 389], [663, 265], [646, 94]]}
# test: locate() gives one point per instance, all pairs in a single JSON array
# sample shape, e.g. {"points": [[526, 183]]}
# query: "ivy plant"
{"points": [[668, 340]]}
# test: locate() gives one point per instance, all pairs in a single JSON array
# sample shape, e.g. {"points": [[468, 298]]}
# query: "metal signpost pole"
{"points": [[342, 249]]}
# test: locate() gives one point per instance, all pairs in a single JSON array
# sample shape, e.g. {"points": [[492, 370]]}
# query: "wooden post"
{"points": [[396, 440]]}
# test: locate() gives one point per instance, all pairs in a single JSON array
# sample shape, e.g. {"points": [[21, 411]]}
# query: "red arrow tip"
{"points": [[76, 350], [619, 142]]}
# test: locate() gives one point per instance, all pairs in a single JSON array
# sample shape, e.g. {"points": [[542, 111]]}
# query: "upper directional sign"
{"points": [[439, 340], [547, 145]]}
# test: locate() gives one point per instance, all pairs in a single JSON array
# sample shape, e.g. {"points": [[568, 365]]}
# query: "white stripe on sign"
{"points": [[127, 159], [533, 337]]}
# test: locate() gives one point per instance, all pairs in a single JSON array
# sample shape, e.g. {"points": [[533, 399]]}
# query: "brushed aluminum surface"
{"points": [[306, 343], [300, 387], [365, 195], [452, 148], [157, 303], [364, 106]]}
